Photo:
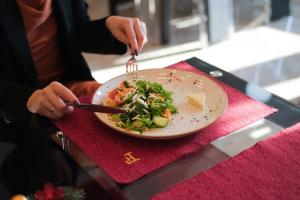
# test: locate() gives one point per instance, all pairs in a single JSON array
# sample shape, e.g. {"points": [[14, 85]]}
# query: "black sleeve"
{"points": [[94, 36], [13, 100]]}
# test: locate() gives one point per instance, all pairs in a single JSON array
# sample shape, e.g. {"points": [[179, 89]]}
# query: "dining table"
{"points": [[109, 165]]}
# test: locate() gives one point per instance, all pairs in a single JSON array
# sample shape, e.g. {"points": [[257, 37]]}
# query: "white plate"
{"points": [[189, 119]]}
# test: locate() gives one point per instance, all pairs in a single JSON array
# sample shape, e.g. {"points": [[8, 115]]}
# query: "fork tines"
{"points": [[132, 68]]}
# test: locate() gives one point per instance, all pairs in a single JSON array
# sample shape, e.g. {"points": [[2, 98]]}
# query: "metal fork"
{"points": [[132, 67]]}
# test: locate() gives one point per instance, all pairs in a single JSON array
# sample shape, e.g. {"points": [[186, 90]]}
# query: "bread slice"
{"points": [[197, 99]]}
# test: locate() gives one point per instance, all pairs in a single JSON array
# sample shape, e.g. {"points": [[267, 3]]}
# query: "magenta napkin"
{"points": [[269, 170], [126, 159]]}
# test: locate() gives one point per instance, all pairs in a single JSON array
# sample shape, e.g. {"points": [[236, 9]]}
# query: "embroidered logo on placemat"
{"points": [[130, 159]]}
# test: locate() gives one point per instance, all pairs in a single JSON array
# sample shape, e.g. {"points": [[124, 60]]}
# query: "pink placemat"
{"points": [[269, 170], [126, 159]]}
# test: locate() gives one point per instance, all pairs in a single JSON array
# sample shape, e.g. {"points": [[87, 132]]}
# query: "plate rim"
{"points": [[138, 135]]}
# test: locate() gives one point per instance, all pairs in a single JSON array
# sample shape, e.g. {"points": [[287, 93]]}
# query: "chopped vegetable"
{"points": [[160, 121], [148, 105]]}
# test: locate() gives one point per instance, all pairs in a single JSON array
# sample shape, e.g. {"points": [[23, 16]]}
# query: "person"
{"points": [[42, 67], [41, 70]]}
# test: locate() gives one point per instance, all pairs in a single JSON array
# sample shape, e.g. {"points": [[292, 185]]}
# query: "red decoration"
{"points": [[50, 192]]}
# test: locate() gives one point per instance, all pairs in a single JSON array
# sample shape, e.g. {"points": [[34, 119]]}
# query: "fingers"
{"points": [[63, 92], [121, 36], [140, 31], [54, 99], [50, 101], [38, 103], [50, 113], [130, 31], [131, 36], [57, 95], [47, 109]]}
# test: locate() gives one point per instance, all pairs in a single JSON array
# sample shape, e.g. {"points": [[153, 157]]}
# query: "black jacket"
{"points": [[77, 33]]}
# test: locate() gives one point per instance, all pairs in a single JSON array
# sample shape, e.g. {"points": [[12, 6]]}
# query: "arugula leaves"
{"points": [[148, 101]]}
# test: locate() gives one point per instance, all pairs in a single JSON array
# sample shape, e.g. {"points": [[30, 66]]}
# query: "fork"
{"points": [[132, 66]]}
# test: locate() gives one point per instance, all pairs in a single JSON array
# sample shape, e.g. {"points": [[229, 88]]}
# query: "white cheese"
{"points": [[197, 99]]}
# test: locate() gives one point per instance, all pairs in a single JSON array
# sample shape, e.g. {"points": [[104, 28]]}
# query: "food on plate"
{"points": [[148, 105], [197, 99]]}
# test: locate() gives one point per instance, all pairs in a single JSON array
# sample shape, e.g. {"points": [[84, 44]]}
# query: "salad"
{"points": [[148, 105]]}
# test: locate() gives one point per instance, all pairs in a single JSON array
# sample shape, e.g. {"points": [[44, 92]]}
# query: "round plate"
{"points": [[189, 118]]}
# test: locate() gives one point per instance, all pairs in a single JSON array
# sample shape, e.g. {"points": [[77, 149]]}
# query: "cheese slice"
{"points": [[197, 99]]}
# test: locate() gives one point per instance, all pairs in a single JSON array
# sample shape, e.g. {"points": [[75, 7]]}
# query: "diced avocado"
{"points": [[115, 117], [160, 121], [138, 124]]}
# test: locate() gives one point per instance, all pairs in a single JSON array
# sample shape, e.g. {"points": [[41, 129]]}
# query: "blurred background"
{"points": [[257, 40]]}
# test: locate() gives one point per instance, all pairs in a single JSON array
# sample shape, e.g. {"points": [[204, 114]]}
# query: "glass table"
{"points": [[44, 154]]}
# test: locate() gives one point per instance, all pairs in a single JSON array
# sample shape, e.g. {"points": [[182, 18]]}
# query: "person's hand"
{"points": [[50, 101], [130, 31]]}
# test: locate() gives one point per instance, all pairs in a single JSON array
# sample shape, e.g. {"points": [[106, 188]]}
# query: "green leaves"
{"points": [[149, 101]]}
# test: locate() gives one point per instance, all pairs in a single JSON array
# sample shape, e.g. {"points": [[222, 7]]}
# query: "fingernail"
{"points": [[69, 109], [76, 102], [134, 52]]}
